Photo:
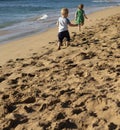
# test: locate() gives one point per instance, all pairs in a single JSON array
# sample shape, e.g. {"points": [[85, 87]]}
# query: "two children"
{"points": [[63, 23]]}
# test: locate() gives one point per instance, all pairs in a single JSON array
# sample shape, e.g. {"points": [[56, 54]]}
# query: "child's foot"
{"points": [[59, 48], [67, 44], [61, 44]]}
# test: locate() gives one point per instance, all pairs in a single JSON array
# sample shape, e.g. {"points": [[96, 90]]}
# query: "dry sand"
{"points": [[76, 88]]}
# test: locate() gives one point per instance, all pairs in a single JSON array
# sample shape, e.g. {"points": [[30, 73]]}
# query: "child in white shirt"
{"points": [[63, 23]]}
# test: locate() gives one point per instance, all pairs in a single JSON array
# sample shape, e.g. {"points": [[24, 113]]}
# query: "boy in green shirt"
{"points": [[80, 16]]}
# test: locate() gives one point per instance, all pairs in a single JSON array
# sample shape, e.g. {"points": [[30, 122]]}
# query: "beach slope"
{"points": [[77, 87]]}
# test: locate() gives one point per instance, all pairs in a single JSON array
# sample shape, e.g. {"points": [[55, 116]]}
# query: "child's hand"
{"points": [[90, 20]]}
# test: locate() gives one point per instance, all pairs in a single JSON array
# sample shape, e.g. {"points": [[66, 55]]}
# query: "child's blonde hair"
{"points": [[81, 6], [64, 11]]}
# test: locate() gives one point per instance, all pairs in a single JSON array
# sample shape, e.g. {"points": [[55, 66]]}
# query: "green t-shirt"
{"points": [[79, 16]]}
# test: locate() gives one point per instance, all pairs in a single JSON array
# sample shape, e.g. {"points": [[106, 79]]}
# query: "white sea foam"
{"points": [[44, 16]]}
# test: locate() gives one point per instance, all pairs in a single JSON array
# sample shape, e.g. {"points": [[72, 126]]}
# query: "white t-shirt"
{"points": [[63, 24]]}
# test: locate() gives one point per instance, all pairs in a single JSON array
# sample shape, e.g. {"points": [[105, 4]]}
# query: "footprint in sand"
{"points": [[11, 64], [69, 64], [67, 91], [10, 61], [15, 121], [43, 107], [29, 75], [89, 55], [25, 65], [118, 70], [45, 125], [118, 46], [93, 114], [13, 81], [60, 116], [2, 78], [9, 108], [35, 58], [29, 109], [112, 126], [68, 61], [77, 111], [105, 108], [66, 104], [52, 42], [66, 124], [20, 59], [6, 96], [29, 100], [118, 104]]}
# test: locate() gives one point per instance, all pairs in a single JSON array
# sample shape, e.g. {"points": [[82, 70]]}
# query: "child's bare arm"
{"points": [[57, 23], [85, 16], [73, 25], [75, 15]]}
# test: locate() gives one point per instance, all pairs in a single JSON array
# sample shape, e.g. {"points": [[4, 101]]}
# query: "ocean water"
{"points": [[19, 18]]}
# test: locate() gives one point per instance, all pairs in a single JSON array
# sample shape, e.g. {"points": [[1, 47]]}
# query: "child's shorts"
{"points": [[62, 35]]}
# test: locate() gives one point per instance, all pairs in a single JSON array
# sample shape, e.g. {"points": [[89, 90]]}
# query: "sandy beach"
{"points": [[77, 87]]}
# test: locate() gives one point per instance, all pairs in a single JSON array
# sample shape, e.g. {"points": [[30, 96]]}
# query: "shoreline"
{"points": [[14, 33], [15, 38], [33, 43]]}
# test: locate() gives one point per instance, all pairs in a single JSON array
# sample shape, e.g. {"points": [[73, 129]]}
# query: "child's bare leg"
{"points": [[79, 27], [67, 43], [59, 45]]}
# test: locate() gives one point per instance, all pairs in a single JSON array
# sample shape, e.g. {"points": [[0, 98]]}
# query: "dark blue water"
{"points": [[23, 17]]}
